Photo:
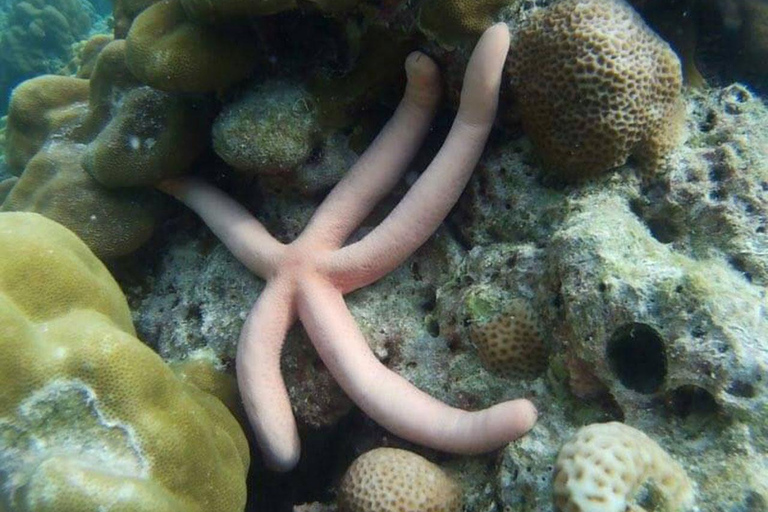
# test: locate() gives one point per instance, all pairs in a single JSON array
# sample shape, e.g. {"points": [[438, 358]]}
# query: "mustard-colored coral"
{"points": [[85, 146], [39, 108], [170, 52], [153, 136], [594, 85], [54, 183], [125, 11], [602, 467], [90, 418]]}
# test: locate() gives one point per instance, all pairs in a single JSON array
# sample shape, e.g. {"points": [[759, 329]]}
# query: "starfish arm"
{"points": [[245, 237], [433, 195], [260, 381], [391, 400], [380, 167]]}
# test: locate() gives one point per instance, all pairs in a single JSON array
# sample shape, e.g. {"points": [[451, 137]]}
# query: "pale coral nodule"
{"points": [[601, 468]]}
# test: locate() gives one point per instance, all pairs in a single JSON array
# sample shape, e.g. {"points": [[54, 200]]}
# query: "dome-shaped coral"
{"points": [[153, 136], [391, 480], [90, 418], [168, 51], [604, 464], [270, 130], [594, 85], [54, 183], [40, 107]]}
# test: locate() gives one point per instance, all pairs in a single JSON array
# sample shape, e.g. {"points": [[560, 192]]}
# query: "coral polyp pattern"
{"points": [[552, 299], [391, 480], [602, 467], [89, 416], [511, 342], [595, 85]]}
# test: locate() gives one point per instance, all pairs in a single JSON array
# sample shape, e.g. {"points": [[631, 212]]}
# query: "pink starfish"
{"points": [[307, 278]]}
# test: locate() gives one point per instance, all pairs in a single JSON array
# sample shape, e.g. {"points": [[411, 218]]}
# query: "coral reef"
{"points": [[41, 107], [594, 85], [55, 184], [154, 136], [644, 351], [307, 278], [509, 341], [82, 149], [125, 11], [167, 51], [36, 36], [532, 241], [89, 413], [627, 296], [389, 480], [603, 465]]}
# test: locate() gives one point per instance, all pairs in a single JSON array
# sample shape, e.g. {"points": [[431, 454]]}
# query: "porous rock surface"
{"points": [[664, 271]]}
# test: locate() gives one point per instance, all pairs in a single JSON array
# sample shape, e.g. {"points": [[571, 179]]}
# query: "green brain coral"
{"points": [[90, 418]]}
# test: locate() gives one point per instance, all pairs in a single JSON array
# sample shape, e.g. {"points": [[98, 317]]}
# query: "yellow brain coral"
{"points": [[602, 467], [90, 418], [391, 480], [594, 85]]}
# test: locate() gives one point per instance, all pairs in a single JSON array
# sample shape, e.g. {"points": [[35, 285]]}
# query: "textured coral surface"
{"points": [[390, 480], [634, 295], [594, 85], [604, 464], [90, 418]]}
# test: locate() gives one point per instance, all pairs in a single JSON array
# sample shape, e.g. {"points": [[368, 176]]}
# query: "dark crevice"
{"points": [[637, 356]]}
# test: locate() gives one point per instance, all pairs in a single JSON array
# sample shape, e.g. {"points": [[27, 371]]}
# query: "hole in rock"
{"points": [[663, 230], [742, 389], [637, 357], [692, 400], [755, 502], [708, 124]]}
